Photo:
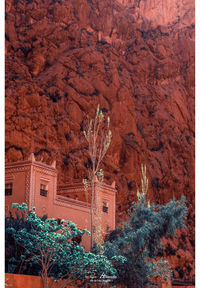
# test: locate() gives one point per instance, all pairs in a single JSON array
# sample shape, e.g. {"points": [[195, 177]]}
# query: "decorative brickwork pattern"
{"points": [[27, 186]]}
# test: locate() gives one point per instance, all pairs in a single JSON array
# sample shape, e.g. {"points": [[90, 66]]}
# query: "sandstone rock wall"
{"points": [[65, 57], [162, 12]]}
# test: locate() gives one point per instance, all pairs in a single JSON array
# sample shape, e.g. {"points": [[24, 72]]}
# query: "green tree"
{"points": [[15, 262], [98, 136], [50, 246], [139, 240]]}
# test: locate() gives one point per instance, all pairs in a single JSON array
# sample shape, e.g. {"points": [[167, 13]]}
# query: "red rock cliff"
{"points": [[135, 58]]}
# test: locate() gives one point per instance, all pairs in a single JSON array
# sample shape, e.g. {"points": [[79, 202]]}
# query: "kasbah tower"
{"points": [[136, 59], [35, 183]]}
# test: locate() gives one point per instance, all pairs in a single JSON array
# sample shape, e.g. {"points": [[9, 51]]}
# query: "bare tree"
{"points": [[98, 136], [144, 185]]}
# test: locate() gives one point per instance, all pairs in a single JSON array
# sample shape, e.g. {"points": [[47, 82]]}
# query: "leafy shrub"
{"points": [[48, 246], [139, 239]]}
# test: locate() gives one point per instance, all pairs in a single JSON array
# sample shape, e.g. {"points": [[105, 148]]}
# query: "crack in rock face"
{"points": [[134, 58]]}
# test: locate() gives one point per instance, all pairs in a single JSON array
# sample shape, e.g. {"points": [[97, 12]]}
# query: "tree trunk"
{"points": [[92, 210], [44, 278]]}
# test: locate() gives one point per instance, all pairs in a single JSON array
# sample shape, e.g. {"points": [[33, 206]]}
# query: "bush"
{"points": [[139, 240], [48, 249]]}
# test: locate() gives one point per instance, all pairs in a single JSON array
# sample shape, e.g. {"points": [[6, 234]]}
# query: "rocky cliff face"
{"points": [[135, 58], [163, 12]]}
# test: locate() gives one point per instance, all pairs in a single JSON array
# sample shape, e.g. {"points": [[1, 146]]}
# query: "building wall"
{"points": [[107, 196], [76, 211], [19, 176], [22, 281], [47, 176]]}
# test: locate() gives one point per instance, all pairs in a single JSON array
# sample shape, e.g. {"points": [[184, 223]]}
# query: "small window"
{"points": [[107, 228], [43, 190], [105, 207], [8, 189]]}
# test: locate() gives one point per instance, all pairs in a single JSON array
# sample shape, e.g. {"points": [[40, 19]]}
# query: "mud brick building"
{"points": [[35, 183]]}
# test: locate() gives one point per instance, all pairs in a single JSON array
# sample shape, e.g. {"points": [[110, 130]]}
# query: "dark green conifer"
{"points": [[139, 240]]}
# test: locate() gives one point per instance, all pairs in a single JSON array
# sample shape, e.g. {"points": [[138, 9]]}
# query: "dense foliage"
{"points": [[14, 256], [49, 247], [139, 240], [131, 254]]}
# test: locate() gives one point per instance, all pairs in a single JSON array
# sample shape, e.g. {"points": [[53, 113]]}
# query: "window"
{"points": [[43, 190], [107, 228], [8, 189], [105, 207]]}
